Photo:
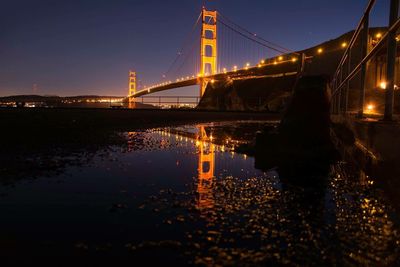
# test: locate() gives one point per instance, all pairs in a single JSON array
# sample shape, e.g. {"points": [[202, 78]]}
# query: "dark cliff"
{"points": [[270, 88]]}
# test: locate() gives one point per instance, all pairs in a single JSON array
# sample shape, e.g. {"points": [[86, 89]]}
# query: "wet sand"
{"points": [[42, 119]]}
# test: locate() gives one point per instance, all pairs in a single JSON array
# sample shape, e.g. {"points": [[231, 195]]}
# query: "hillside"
{"points": [[271, 94]]}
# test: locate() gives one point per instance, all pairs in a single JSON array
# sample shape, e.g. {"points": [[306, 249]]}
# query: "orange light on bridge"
{"points": [[344, 44], [320, 50], [212, 81], [378, 35], [275, 62], [235, 68], [383, 85], [294, 59], [262, 62], [370, 108], [280, 58]]}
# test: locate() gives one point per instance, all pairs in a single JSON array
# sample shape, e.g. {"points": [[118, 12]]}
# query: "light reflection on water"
{"points": [[184, 188]]}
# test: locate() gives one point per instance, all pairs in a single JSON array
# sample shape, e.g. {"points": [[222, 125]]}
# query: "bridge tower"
{"points": [[132, 83], [208, 46], [131, 88], [206, 171]]}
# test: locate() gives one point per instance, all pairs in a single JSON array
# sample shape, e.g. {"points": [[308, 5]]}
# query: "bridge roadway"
{"points": [[259, 71]]}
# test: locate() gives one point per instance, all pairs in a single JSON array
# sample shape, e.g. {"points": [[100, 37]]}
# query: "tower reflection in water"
{"points": [[206, 150]]}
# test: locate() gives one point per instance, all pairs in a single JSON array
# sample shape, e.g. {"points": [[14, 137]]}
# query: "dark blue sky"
{"points": [[75, 47]]}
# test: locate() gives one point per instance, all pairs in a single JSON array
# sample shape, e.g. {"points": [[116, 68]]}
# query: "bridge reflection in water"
{"points": [[206, 150], [179, 191], [347, 216]]}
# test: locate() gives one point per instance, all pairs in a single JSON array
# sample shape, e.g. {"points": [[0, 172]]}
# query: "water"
{"points": [[181, 195]]}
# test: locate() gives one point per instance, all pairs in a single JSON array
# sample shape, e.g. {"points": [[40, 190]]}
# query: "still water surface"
{"points": [[181, 195]]}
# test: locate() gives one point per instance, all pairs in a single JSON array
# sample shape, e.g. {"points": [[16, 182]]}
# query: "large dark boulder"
{"points": [[306, 122], [300, 146]]}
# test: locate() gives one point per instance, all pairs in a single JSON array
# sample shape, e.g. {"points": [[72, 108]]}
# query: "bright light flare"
{"points": [[383, 85]]}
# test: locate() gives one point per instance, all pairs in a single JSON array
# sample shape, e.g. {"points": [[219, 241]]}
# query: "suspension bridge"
{"points": [[211, 52]]}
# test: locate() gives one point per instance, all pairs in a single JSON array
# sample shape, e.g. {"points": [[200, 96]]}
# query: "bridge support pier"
{"points": [[203, 86]]}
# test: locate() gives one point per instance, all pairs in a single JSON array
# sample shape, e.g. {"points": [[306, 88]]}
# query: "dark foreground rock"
{"points": [[300, 146]]}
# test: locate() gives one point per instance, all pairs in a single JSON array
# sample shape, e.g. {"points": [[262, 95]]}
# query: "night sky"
{"points": [[77, 47]]}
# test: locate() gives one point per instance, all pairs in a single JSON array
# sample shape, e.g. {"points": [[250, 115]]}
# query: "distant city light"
{"points": [[383, 85], [344, 44], [294, 59], [378, 35], [320, 50], [262, 61]]}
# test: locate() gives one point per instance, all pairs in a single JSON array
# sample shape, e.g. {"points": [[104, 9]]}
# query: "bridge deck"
{"points": [[265, 70]]}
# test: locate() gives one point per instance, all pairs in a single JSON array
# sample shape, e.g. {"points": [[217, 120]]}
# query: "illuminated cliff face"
{"points": [[206, 151]]}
